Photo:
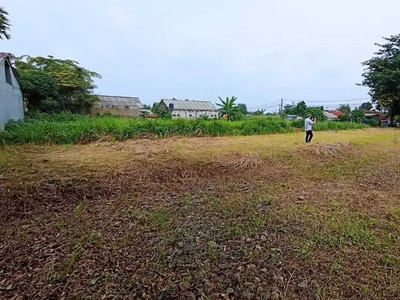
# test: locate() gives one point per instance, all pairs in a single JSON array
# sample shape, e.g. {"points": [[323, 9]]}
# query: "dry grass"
{"points": [[258, 217]]}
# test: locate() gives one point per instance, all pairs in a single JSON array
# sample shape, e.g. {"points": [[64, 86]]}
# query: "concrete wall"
{"points": [[194, 114], [124, 112], [11, 100]]}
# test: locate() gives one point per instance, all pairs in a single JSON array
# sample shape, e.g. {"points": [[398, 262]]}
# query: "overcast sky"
{"points": [[257, 50]]}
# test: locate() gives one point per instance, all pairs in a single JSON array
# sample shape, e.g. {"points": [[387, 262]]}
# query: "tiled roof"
{"points": [[119, 101], [190, 104], [336, 112]]}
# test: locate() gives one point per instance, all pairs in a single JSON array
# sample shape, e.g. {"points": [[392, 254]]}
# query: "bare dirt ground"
{"points": [[258, 217]]}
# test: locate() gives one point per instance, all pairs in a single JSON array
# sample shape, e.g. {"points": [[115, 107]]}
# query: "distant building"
{"points": [[189, 109], [11, 99], [117, 105], [335, 112], [331, 116], [376, 116], [293, 117]]}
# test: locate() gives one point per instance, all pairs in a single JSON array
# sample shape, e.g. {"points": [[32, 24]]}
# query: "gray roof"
{"points": [[190, 104], [132, 102]]}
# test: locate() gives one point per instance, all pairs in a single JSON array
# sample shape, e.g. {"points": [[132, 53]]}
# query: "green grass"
{"points": [[73, 129]]}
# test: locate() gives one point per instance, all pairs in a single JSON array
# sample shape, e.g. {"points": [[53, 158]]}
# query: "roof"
{"points": [[5, 55], [371, 112], [336, 112], [119, 101], [331, 116], [190, 104]]}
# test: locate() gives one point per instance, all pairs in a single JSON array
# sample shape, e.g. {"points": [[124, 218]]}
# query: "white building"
{"points": [[189, 109], [11, 100]]}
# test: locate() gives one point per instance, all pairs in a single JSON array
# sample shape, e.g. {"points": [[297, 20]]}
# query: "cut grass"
{"points": [[264, 216]]}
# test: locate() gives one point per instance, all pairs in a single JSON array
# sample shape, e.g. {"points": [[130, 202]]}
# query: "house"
{"points": [[375, 116], [117, 105], [335, 112], [11, 99], [331, 116], [293, 117], [189, 109]]}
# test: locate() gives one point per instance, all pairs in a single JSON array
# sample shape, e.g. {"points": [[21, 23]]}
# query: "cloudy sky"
{"points": [[257, 50]]}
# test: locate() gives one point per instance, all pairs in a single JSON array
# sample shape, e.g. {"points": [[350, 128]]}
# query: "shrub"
{"points": [[69, 128]]}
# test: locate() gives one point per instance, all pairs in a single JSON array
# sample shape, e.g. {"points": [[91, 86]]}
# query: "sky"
{"points": [[257, 50]]}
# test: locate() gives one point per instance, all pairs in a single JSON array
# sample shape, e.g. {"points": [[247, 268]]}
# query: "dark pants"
{"points": [[309, 136]]}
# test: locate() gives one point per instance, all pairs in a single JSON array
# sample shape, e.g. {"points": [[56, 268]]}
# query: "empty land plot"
{"points": [[257, 217]]}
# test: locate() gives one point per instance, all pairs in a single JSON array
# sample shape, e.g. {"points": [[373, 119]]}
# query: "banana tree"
{"points": [[229, 108]]}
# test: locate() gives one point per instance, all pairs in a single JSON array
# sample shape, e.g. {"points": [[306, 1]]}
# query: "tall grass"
{"points": [[73, 129]]}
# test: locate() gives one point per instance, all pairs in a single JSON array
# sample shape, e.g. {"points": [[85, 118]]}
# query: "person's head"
{"points": [[310, 116]]}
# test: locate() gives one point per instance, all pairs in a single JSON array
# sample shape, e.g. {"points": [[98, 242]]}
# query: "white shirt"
{"points": [[308, 124]]}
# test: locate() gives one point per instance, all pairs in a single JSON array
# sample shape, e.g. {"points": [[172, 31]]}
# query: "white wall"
{"points": [[194, 114], [11, 100]]}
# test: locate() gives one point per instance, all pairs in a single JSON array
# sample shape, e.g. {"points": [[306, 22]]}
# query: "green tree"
{"points": [[145, 106], [299, 109], [366, 106], [259, 112], [75, 83], [243, 108], [346, 110], [317, 111], [37, 87], [4, 24], [382, 76], [357, 115], [229, 108]]}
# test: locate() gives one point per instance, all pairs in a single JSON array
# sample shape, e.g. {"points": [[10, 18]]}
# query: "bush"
{"points": [[69, 128]]}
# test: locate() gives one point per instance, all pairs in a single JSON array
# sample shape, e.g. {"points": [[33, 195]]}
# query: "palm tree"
{"points": [[4, 24], [228, 107]]}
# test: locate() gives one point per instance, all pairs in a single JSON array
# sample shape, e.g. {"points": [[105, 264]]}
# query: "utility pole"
{"points": [[281, 107]]}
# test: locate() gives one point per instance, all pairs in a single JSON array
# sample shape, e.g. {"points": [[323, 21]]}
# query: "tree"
{"points": [[145, 106], [75, 83], [4, 24], [357, 115], [298, 110], [317, 111], [243, 108], [382, 76], [346, 110], [229, 108], [37, 87], [259, 112], [366, 106]]}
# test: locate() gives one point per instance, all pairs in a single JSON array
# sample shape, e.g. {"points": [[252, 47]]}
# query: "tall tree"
{"points": [[243, 108], [229, 108], [366, 106], [75, 83], [382, 76], [346, 110], [4, 24]]}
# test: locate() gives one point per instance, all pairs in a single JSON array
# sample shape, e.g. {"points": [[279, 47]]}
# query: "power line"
{"points": [[329, 101]]}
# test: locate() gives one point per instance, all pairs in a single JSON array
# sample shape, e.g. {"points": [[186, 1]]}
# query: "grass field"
{"points": [[247, 217], [74, 129]]}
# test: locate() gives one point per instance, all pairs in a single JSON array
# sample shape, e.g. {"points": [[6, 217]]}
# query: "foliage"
{"points": [[357, 115], [145, 106], [4, 24], [243, 108], [37, 86], [259, 112], [346, 110], [229, 108], [382, 75], [366, 106], [164, 114], [154, 107], [72, 128], [301, 109], [75, 83], [317, 112]]}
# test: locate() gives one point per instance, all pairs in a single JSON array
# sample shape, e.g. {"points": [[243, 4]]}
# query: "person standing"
{"points": [[308, 123]]}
